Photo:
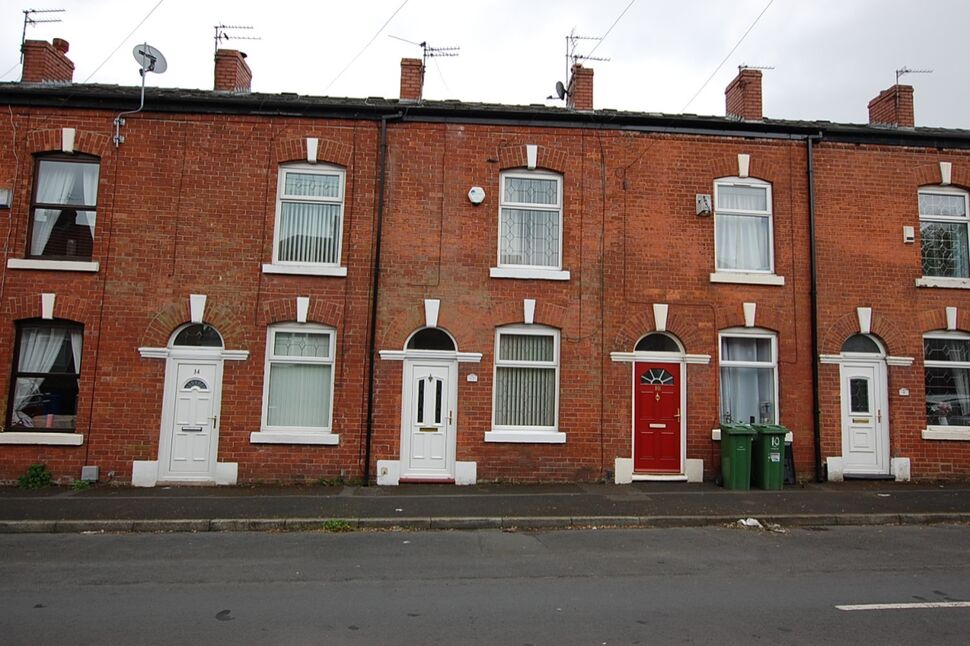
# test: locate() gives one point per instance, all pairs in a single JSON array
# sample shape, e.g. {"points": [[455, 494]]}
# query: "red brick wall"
{"points": [[742, 97], [893, 107], [412, 79], [46, 62], [232, 74]]}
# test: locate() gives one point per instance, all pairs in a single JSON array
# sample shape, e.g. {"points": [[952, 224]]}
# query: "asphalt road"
{"points": [[701, 586]]}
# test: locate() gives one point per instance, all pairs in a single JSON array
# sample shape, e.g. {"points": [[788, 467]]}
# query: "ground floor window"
{"points": [[946, 363], [298, 387], [749, 376], [526, 389], [45, 378]]}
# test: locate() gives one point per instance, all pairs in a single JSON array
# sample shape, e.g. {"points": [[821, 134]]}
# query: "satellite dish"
{"points": [[561, 90], [150, 59]]}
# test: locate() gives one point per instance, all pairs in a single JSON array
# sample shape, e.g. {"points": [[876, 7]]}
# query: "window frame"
{"points": [[944, 219], [503, 204], [34, 205], [750, 333], [961, 429], [528, 330], [270, 358], [16, 374], [298, 267], [767, 214]]}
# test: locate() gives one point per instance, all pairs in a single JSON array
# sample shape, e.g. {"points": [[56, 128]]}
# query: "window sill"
{"points": [[37, 438], [528, 273], [958, 433], [53, 265], [747, 278], [526, 437], [943, 281], [305, 270], [279, 437]]}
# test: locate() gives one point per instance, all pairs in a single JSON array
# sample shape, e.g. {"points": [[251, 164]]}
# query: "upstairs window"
{"points": [[530, 220], [944, 242], [63, 212], [743, 226], [46, 371], [309, 215]]}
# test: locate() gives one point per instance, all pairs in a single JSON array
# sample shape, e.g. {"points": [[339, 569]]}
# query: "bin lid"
{"points": [[770, 429], [734, 428]]}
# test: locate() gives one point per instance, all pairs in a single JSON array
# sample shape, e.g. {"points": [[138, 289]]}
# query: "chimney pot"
{"points": [[742, 98], [580, 93], [412, 79], [46, 63], [232, 73], [893, 107]]}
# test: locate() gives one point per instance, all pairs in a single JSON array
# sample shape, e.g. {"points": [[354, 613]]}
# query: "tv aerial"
{"points": [[427, 51], [905, 70], [29, 19], [221, 34], [573, 57], [149, 59]]}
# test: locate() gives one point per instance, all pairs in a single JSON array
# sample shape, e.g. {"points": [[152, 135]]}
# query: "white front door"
{"points": [[865, 418], [189, 446], [428, 420]]}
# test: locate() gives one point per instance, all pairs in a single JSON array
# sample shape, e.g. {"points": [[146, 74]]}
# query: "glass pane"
{"points": [[860, 343], [301, 344], [420, 415], [65, 182], [437, 400], [526, 347], [859, 396], [311, 185], [44, 403], [742, 198], [309, 233], [531, 191], [735, 348], [944, 249], [431, 339], [943, 349], [657, 377], [742, 242], [525, 397], [657, 343], [942, 204], [529, 238], [948, 396], [748, 394], [199, 335], [46, 349], [195, 383], [299, 395], [62, 232]]}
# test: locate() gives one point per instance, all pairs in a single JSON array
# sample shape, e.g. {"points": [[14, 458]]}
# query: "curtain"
{"points": [[525, 396], [530, 237], [89, 177], [309, 232], [77, 337], [299, 395], [39, 348], [54, 186], [747, 392], [742, 242]]}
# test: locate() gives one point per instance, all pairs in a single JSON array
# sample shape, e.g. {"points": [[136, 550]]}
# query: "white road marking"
{"points": [[907, 606]]}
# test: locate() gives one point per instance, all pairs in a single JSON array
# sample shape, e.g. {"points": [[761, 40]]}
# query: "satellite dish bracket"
{"points": [[150, 60]]}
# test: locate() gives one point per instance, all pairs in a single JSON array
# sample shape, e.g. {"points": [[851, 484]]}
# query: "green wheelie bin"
{"points": [[736, 455], [768, 465]]}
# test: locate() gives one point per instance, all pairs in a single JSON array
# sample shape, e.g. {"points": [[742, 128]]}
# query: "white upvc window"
{"points": [[749, 375], [298, 382], [943, 227], [530, 220], [526, 383], [743, 236], [946, 366], [309, 220]]}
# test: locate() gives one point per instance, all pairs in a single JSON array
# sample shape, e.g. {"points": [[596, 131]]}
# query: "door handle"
{"points": [[215, 419], [879, 415], [449, 418], [677, 414]]}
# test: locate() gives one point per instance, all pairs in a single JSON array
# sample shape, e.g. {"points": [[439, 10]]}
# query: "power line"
{"points": [[115, 50], [15, 66], [364, 48], [603, 37], [721, 64]]}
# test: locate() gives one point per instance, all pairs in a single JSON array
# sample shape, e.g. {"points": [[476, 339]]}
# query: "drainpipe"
{"points": [[816, 411], [372, 333]]}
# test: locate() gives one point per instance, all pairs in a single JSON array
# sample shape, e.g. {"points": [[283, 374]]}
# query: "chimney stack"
{"points": [[412, 79], [893, 107], [742, 98], [580, 92], [47, 62], [232, 74]]}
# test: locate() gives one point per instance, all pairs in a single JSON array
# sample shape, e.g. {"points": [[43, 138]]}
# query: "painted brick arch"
{"points": [[679, 324], [759, 168], [929, 175], [293, 149], [933, 320], [85, 142], [881, 327], [546, 157], [67, 308], [171, 316], [283, 310]]}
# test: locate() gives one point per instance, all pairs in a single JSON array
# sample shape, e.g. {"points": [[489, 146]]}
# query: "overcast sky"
{"points": [[830, 57]]}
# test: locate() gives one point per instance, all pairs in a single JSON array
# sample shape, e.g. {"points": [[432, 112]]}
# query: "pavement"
{"points": [[423, 507]]}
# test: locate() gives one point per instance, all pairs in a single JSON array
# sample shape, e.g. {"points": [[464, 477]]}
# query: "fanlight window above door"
{"points": [[657, 377]]}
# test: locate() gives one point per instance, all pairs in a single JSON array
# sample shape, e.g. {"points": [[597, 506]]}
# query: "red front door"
{"points": [[656, 411]]}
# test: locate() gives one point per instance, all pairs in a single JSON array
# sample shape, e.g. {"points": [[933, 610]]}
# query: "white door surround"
{"points": [[864, 417], [429, 415]]}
